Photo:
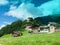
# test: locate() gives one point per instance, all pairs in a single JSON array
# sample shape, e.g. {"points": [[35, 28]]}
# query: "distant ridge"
{"points": [[49, 18]]}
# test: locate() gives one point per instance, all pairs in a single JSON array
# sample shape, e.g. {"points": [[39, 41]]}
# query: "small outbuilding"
{"points": [[16, 33], [35, 28]]}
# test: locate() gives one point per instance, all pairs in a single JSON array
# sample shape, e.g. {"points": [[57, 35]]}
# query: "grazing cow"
{"points": [[16, 33]]}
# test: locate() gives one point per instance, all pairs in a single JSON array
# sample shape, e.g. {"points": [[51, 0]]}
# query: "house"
{"points": [[40, 29], [28, 25], [44, 29], [50, 28], [34, 29], [57, 27], [47, 29]]}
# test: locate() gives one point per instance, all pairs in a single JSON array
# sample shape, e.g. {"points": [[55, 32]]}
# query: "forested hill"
{"points": [[50, 18], [20, 25]]}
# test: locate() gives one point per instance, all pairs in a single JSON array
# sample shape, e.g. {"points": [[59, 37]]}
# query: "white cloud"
{"points": [[12, 7], [20, 12], [3, 2], [2, 26], [26, 10]]}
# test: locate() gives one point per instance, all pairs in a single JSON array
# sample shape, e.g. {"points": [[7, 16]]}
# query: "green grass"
{"points": [[31, 39]]}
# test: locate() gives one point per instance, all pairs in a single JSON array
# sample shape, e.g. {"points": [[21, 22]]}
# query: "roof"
{"points": [[35, 26], [45, 27], [28, 24], [57, 25], [52, 23]]}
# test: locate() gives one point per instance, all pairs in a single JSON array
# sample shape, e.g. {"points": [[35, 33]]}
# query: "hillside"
{"points": [[20, 25], [31, 39], [50, 18]]}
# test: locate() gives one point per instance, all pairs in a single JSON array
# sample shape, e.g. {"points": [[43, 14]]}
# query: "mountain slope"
{"points": [[50, 18]]}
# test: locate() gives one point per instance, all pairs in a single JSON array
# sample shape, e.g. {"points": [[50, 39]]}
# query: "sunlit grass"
{"points": [[31, 39]]}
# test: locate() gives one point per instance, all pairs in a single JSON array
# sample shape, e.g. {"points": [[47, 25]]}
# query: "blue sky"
{"points": [[11, 10]]}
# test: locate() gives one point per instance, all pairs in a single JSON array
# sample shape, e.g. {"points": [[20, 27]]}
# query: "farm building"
{"points": [[50, 28]]}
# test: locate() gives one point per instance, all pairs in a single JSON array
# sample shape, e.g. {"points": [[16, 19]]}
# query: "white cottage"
{"points": [[41, 29]]}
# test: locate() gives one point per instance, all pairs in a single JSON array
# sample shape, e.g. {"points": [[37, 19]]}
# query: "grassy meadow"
{"points": [[31, 39]]}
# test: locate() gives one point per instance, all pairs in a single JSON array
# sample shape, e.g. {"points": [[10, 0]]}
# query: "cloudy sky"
{"points": [[11, 10]]}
